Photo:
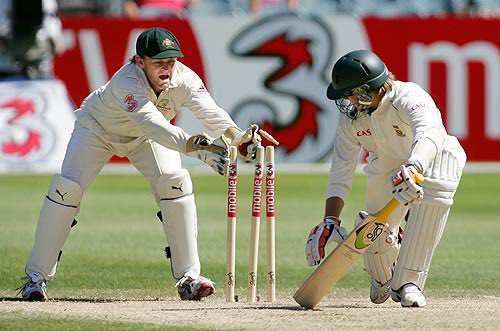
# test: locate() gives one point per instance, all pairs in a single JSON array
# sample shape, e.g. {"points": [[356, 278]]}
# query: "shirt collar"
{"points": [[174, 81], [142, 75]]}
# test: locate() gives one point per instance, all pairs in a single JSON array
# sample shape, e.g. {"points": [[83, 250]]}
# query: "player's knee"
{"points": [[65, 191], [174, 185]]}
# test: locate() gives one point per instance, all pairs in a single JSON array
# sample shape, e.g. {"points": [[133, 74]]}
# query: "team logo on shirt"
{"points": [[130, 102], [399, 132], [164, 104]]}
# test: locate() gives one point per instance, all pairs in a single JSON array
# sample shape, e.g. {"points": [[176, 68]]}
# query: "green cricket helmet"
{"points": [[356, 69]]}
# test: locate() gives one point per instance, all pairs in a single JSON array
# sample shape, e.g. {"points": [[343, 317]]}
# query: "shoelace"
{"points": [[21, 288], [182, 280]]}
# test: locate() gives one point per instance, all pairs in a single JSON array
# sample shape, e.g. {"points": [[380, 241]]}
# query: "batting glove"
{"points": [[403, 185], [323, 233], [215, 153]]}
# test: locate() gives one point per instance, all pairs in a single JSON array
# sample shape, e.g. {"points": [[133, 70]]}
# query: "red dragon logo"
{"points": [[304, 47], [21, 109], [23, 129]]}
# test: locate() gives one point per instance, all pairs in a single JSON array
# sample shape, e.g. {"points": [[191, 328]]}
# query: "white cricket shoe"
{"points": [[379, 293], [34, 288], [409, 295], [190, 288]]}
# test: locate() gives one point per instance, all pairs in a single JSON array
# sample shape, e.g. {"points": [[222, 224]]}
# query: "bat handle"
{"points": [[419, 178], [384, 213]]}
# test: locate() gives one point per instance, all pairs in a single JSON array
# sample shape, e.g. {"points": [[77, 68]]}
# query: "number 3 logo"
{"points": [[131, 102]]}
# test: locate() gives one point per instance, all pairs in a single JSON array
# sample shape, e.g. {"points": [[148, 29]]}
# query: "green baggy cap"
{"points": [[158, 43]]}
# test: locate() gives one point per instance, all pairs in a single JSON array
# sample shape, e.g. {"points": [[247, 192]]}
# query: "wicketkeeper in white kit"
{"points": [[400, 127], [130, 117]]}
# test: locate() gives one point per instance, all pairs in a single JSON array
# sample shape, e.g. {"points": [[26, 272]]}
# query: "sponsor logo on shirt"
{"points": [[131, 103], [398, 130], [366, 132], [418, 105]]}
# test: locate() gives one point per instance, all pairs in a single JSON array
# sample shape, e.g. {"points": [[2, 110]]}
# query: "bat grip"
{"points": [[384, 213]]}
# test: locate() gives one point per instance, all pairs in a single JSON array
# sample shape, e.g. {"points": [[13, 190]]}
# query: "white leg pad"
{"points": [[427, 221], [423, 232], [379, 258], [178, 209], [54, 223]]}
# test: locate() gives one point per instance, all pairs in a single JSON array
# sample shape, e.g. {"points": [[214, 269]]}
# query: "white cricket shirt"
{"points": [[126, 108], [405, 114]]}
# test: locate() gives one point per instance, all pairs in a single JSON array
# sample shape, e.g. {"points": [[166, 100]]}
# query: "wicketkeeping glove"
{"points": [[247, 142], [403, 185], [323, 233], [215, 153]]}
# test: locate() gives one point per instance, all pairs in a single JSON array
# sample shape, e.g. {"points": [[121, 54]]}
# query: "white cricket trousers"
{"points": [[85, 157]]}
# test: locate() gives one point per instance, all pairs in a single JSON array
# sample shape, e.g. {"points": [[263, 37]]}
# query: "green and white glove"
{"points": [[215, 153], [246, 141]]}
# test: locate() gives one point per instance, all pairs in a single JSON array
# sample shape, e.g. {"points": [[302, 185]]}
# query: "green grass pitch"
{"points": [[116, 250]]}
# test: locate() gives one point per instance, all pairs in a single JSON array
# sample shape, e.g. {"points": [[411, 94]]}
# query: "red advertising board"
{"points": [[474, 44], [456, 59]]}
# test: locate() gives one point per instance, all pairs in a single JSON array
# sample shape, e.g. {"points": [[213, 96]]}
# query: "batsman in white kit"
{"points": [[130, 117], [400, 127]]}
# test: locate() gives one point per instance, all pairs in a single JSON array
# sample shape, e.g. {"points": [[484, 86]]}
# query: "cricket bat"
{"points": [[335, 265]]}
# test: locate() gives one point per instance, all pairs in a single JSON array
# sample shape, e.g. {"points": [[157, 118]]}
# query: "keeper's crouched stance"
{"points": [[400, 126], [130, 117]]}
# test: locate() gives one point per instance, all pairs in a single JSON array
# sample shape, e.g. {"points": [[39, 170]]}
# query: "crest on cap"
{"points": [[168, 43]]}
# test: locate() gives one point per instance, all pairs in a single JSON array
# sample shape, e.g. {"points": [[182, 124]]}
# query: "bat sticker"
{"points": [[367, 234]]}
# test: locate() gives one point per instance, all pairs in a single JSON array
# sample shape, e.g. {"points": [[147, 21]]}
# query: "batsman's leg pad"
{"points": [[178, 209], [423, 232], [379, 258], [54, 223], [427, 220]]}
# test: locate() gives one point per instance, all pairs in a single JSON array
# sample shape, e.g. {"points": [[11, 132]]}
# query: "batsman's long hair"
{"points": [[388, 84]]}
